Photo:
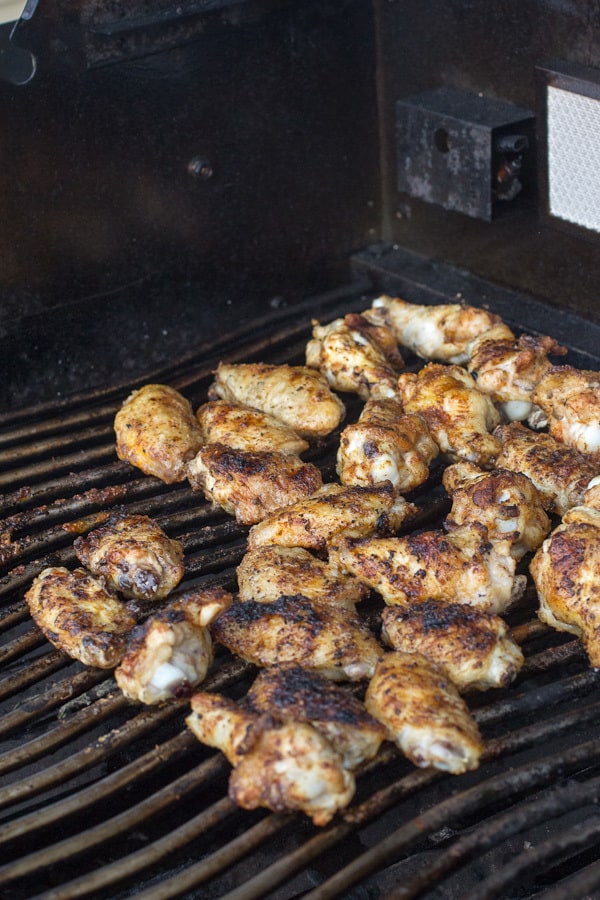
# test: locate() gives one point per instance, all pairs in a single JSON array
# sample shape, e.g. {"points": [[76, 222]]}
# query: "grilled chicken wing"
{"points": [[294, 631], [333, 511], [280, 766], [460, 567], [242, 428], [560, 473], [269, 572], [571, 400], [355, 356], [566, 572], [293, 694], [298, 396], [474, 648], [157, 431], [386, 445], [508, 369], [79, 615], [424, 713], [251, 485], [433, 332], [507, 503], [134, 556], [458, 415]]}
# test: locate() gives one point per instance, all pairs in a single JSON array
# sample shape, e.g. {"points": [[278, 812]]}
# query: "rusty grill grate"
{"points": [[100, 798]]}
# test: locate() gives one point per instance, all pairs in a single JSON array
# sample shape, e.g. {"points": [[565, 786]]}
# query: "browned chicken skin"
{"points": [[242, 428], [386, 444], [507, 503], [560, 473], [474, 648], [269, 572], [157, 431], [298, 396], [570, 398], [134, 555], [458, 415], [78, 614], [251, 485], [424, 713]]}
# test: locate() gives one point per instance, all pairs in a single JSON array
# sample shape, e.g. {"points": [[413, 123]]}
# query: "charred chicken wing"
{"points": [[78, 614], [157, 431], [424, 713], [134, 556], [570, 398], [298, 396], [242, 428]]}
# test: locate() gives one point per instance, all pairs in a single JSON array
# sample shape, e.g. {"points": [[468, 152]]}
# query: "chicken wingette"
{"points": [[424, 713], [78, 614], [331, 512], [269, 572], [474, 648], [355, 356], [242, 428], [386, 444], [560, 474], [433, 332], [459, 416], [298, 396], [329, 640], [157, 431], [570, 398], [170, 653], [507, 503], [134, 556], [251, 484], [460, 567], [282, 766]]}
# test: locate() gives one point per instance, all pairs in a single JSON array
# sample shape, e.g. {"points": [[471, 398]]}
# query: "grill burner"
{"points": [[103, 799]]}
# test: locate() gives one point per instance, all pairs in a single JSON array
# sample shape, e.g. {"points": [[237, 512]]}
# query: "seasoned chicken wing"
{"points": [[293, 631], [458, 415], [267, 573], [560, 473], [460, 567], [424, 713], [507, 503], [298, 396], [355, 356], [386, 444], [79, 615], [570, 398], [474, 648], [508, 369], [433, 332], [333, 511], [566, 572], [251, 485], [242, 428], [134, 556], [293, 694], [281, 766], [157, 431]]}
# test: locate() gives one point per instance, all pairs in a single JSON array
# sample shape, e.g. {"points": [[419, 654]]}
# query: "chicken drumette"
{"points": [[242, 428], [570, 398]]}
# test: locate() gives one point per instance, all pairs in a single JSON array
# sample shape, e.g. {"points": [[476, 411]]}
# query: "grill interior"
{"points": [[101, 798]]}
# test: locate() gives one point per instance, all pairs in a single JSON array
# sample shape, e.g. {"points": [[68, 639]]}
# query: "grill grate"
{"points": [[100, 798]]}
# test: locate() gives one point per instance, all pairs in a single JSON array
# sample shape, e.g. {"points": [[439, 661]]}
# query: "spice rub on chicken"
{"points": [[459, 416], [134, 556], [157, 431], [251, 484], [242, 428], [461, 566], [333, 511], [570, 398], [78, 614], [355, 356], [298, 396], [474, 648], [386, 444], [424, 713]]}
